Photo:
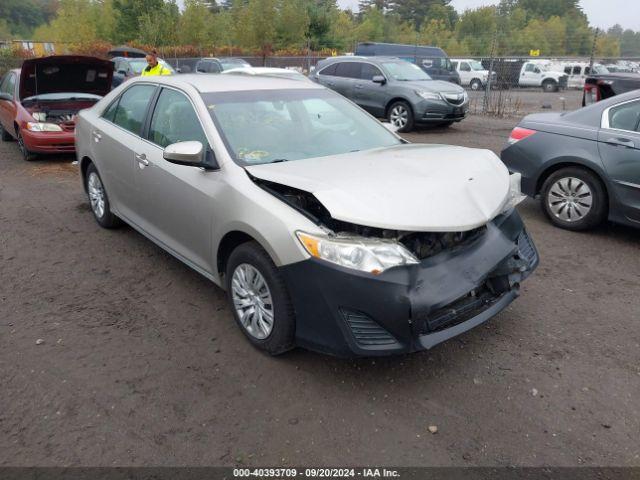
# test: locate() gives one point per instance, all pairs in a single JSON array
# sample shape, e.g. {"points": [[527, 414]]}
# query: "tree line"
{"points": [[513, 27]]}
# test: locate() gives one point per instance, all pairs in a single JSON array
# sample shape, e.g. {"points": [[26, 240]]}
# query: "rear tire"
{"points": [[99, 200], [574, 199], [400, 115], [550, 86], [259, 299]]}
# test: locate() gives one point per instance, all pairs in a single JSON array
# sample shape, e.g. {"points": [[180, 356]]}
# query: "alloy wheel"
{"points": [[252, 301], [399, 116], [96, 194], [570, 199]]}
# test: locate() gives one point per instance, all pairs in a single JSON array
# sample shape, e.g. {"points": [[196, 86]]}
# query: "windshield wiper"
{"points": [[279, 160]]}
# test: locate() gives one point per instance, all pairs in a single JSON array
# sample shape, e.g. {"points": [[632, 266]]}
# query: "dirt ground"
{"points": [[142, 364]]}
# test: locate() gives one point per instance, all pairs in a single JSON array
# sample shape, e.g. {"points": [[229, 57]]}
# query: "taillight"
{"points": [[591, 93], [519, 133]]}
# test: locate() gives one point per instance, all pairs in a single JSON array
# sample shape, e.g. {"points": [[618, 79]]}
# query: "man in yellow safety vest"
{"points": [[154, 67]]}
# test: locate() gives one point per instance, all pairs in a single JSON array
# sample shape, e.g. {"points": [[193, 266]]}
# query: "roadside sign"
{"points": [[534, 53]]}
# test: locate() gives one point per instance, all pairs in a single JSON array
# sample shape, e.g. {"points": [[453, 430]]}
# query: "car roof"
{"points": [[229, 83], [259, 70], [352, 58]]}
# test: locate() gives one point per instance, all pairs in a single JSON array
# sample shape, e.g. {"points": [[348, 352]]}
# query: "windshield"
{"points": [[264, 126], [600, 69], [234, 63], [139, 65], [405, 71], [475, 65]]}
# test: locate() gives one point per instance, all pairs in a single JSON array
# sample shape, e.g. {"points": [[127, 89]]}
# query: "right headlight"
{"points": [[365, 254], [428, 95], [43, 127]]}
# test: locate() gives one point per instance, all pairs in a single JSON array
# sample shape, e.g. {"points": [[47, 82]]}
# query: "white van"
{"points": [[472, 73], [578, 71]]}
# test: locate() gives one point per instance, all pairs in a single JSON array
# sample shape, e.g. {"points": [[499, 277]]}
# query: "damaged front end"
{"points": [[57, 115], [453, 282]]}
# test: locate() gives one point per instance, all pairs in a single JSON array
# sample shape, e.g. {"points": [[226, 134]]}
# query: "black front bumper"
{"points": [[405, 309]]}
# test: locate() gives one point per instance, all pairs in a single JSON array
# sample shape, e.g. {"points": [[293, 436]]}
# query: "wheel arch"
{"points": [[394, 100], [550, 170], [84, 165]]}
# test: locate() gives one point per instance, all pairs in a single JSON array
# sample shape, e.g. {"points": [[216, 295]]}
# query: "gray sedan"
{"points": [[585, 165], [394, 89]]}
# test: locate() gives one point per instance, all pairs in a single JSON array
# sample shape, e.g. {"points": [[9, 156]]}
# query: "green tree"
{"points": [[415, 11], [292, 24], [160, 27], [476, 28], [128, 13], [194, 24], [262, 24]]}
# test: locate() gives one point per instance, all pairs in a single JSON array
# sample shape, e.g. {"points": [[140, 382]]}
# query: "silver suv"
{"points": [[394, 89], [326, 229]]}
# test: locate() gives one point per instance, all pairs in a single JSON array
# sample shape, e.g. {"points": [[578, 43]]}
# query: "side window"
{"points": [[625, 117], [132, 107], [454, 65], [587, 70], [215, 67], [369, 71], [110, 112], [330, 70], [8, 84], [530, 67], [348, 69], [464, 66], [577, 70], [174, 120], [567, 70]]}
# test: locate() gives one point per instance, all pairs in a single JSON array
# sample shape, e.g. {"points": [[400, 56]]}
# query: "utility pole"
{"points": [[487, 88], [593, 49]]}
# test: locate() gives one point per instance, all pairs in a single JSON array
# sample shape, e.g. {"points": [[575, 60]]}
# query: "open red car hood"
{"points": [[65, 73]]}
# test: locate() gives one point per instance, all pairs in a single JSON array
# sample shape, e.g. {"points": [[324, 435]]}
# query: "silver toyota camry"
{"points": [[326, 229]]}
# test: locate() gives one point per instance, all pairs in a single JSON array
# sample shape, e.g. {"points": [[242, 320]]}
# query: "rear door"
{"points": [[116, 137], [619, 146], [345, 78], [175, 200], [370, 95]]}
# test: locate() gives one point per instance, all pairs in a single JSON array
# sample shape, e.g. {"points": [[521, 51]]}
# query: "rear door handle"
{"points": [[142, 159], [625, 142]]}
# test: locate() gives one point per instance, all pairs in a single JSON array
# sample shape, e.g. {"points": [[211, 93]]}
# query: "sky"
{"points": [[601, 13]]}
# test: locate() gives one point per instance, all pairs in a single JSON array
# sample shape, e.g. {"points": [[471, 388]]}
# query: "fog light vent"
{"points": [[366, 332], [526, 248]]}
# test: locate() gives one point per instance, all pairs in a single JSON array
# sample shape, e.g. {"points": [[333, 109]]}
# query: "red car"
{"points": [[39, 103]]}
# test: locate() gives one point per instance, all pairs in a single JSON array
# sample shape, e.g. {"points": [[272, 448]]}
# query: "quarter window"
{"points": [[330, 70], [174, 120], [625, 117], [9, 84], [132, 107]]}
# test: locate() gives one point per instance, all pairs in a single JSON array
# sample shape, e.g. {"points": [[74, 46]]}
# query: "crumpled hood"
{"points": [[427, 188], [65, 73]]}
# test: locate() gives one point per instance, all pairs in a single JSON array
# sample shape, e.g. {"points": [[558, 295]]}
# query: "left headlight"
{"points": [[515, 196], [428, 95], [43, 127], [365, 254]]}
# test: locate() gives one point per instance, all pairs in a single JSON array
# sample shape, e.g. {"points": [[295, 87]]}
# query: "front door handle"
{"points": [[625, 142], [97, 136], [358, 86], [142, 159]]}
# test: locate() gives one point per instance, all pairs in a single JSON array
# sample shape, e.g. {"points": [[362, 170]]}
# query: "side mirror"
{"points": [[190, 154], [536, 70], [6, 96], [379, 79]]}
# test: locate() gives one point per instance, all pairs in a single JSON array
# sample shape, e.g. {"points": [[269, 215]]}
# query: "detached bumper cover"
{"points": [[406, 309]]}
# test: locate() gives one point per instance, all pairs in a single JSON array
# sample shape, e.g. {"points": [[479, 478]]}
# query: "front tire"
{"points": [[475, 84], [400, 115], [574, 199], [6, 136], [26, 154], [259, 299], [99, 199]]}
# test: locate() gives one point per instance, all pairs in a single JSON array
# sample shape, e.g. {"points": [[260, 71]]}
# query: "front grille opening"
{"points": [[366, 332], [424, 245]]}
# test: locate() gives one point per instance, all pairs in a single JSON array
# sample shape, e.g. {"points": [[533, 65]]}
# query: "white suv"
{"points": [[472, 73]]}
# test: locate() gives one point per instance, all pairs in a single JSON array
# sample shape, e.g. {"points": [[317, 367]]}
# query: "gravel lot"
{"points": [[142, 363]]}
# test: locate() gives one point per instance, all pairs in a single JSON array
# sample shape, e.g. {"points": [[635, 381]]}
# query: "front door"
{"points": [[619, 146], [370, 95], [7, 107], [176, 199]]}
